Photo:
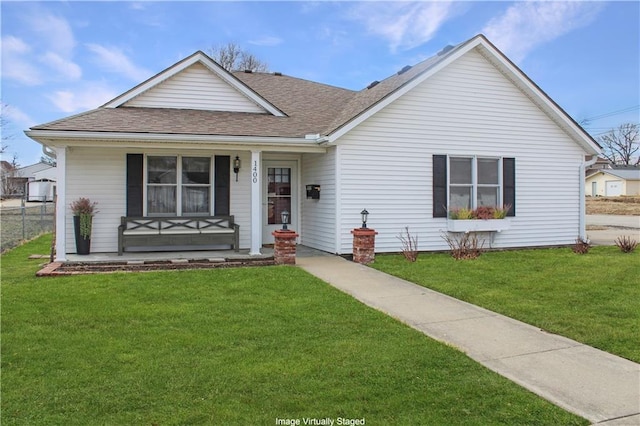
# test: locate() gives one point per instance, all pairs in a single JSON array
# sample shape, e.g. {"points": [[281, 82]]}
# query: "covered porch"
{"points": [[248, 184]]}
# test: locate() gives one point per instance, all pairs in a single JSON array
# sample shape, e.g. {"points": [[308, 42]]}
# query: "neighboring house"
{"points": [[601, 163], [613, 182], [17, 181], [7, 171], [463, 128]]}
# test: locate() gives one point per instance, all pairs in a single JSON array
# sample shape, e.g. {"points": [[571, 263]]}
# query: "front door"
{"points": [[280, 194]]}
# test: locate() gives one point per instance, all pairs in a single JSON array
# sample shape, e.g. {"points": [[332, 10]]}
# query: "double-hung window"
{"points": [[178, 185], [474, 182]]}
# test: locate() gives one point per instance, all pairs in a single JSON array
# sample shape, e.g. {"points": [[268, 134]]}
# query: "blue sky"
{"points": [[61, 58]]}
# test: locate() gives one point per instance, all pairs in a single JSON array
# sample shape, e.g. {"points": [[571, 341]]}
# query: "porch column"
{"points": [[256, 203], [61, 205]]}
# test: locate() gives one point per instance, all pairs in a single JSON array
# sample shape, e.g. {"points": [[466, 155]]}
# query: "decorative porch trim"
{"points": [[256, 202], [61, 205]]}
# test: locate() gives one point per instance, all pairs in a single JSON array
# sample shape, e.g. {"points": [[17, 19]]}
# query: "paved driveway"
{"points": [[615, 226]]}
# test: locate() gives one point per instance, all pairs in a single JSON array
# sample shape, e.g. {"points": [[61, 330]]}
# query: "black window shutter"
{"points": [[134, 184], [439, 186], [509, 184], [221, 182]]}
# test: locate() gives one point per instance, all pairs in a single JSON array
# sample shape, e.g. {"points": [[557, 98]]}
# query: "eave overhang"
{"points": [[57, 138]]}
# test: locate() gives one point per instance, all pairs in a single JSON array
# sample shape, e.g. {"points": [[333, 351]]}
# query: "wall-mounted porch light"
{"points": [[284, 216], [313, 191], [236, 166], [365, 214]]}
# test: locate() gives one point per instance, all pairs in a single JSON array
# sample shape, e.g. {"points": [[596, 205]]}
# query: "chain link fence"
{"points": [[21, 220]]}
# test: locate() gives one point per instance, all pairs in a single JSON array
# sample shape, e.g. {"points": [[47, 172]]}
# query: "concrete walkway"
{"points": [[596, 385]]}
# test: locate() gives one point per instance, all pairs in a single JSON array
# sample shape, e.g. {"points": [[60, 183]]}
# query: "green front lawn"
{"points": [[592, 298], [229, 346]]}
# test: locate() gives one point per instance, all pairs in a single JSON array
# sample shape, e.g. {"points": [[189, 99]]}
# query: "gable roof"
{"points": [[307, 108], [365, 104], [197, 57], [378, 91], [626, 174], [296, 107]]}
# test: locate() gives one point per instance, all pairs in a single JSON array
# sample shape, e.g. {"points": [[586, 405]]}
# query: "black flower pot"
{"points": [[83, 245]]}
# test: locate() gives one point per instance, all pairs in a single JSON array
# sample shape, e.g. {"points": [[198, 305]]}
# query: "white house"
{"points": [[465, 128], [613, 182], [19, 181]]}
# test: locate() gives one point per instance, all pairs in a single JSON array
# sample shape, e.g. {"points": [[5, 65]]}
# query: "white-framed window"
{"points": [[178, 185], [474, 182]]}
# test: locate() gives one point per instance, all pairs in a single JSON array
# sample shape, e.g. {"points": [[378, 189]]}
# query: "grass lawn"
{"points": [[229, 346], [592, 298]]}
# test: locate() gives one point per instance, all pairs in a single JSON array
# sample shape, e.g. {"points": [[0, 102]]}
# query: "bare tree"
{"points": [[234, 58], [3, 129], [621, 144], [10, 184]]}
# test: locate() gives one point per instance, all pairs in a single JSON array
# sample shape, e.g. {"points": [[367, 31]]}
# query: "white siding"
{"points": [[240, 194], [319, 216], [100, 174], [468, 108], [195, 88]]}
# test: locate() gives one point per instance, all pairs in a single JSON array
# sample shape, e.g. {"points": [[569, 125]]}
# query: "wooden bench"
{"points": [[177, 231]]}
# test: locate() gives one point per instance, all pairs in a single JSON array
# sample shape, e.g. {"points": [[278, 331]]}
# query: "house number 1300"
{"points": [[255, 172]]}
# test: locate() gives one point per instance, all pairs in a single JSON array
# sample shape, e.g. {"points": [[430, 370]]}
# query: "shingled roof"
{"points": [[310, 108]]}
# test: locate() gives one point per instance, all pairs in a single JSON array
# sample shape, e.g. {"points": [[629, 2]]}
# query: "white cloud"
{"points": [[86, 96], [266, 41], [11, 44], [404, 25], [526, 25], [17, 117], [50, 34], [66, 68], [114, 60], [56, 33], [14, 66]]}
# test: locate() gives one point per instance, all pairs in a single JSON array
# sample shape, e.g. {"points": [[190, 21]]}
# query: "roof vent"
{"points": [[248, 71], [373, 84], [445, 49], [277, 74], [404, 69]]}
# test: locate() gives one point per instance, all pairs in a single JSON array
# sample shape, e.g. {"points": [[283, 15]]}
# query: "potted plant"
{"points": [[482, 219], [83, 210]]}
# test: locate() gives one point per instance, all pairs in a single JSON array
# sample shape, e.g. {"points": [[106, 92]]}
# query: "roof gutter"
{"points": [[57, 135], [48, 151]]}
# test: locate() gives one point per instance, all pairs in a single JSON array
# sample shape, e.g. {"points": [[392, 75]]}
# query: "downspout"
{"points": [[583, 208], [48, 151]]}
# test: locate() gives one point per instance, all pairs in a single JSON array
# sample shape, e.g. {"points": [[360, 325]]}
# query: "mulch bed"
{"points": [[76, 268]]}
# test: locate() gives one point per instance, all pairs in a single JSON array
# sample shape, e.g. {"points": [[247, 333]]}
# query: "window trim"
{"points": [[474, 179], [178, 185]]}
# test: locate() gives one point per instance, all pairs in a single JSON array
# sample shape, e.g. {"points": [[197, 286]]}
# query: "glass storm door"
{"points": [[280, 195]]}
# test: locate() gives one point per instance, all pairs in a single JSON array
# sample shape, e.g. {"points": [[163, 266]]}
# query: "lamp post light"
{"points": [[236, 166], [285, 218], [365, 214]]}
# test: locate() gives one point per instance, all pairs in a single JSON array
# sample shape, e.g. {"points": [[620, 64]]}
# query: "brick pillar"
{"points": [[364, 243], [284, 249]]}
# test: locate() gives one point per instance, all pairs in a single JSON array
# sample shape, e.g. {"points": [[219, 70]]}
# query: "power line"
{"points": [[610, 114]]}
